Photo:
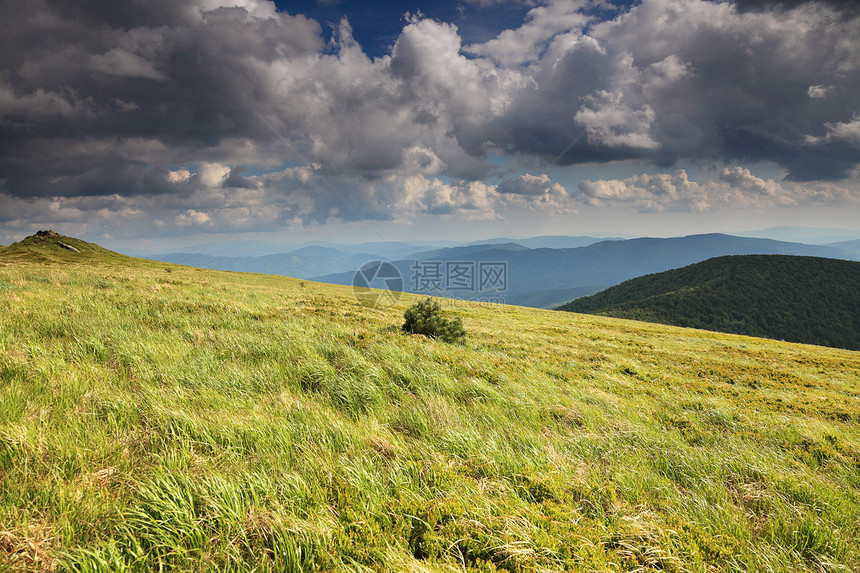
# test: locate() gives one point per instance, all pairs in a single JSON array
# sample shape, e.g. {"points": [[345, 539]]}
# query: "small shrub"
{"points": [[425, 317]]}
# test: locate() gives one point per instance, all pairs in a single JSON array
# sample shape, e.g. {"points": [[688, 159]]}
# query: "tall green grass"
{"points": [[163, 418]]}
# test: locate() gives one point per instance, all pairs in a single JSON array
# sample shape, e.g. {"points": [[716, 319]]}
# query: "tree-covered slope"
{"points": [[799, 299]]}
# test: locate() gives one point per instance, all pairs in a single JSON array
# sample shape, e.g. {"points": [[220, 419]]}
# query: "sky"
{"points": [[141, 125]]}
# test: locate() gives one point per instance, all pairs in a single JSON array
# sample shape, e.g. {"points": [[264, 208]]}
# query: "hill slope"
{"points": [[800, 299], [158, 417], [51, 247], [299, 265]]}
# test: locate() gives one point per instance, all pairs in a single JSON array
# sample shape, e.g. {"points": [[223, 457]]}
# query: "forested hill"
{"points": [[798, 299]]}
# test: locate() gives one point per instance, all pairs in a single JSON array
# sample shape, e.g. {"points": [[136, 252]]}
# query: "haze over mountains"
{"points": [[540, 271], [808, 235], [322, 258]]}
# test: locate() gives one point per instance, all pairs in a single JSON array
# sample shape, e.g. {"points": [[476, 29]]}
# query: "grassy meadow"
{"points": [[163, 418]]}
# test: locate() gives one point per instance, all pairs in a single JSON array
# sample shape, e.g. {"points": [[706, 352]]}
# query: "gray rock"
{"points": [[65, 246]]}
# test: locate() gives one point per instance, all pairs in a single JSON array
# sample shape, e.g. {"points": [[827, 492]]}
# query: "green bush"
{"points": [[425, 317]]}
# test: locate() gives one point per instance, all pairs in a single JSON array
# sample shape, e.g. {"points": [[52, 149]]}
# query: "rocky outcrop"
{"points": [[40, 237], [65, 246]]}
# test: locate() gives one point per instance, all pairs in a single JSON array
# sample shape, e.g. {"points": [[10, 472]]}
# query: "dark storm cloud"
{"points": [[127, 15], [237, 181], [849, 7], [100, 77], [687, 79], [161, 109]]}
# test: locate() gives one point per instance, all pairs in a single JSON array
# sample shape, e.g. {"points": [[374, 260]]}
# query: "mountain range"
{"points": [[545, 277], [536, 275]]}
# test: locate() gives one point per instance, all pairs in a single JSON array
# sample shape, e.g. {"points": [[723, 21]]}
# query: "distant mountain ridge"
{"points": [[550, 241], [794, 298], [808, 235], [850, 249], [450, 253], [563, 274], [539, 277]]}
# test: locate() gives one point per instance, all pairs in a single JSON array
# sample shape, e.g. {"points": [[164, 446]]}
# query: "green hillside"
{"points": [[799, 299], [163, 418], [51, 247]]}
